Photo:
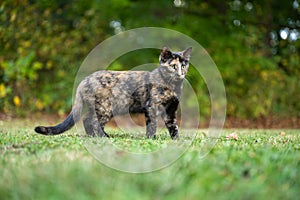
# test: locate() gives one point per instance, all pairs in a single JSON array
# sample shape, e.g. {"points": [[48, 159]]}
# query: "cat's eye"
{"points": [[173, 66]]}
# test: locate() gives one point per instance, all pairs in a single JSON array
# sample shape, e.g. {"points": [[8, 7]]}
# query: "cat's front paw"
{"points": [[151, 136], [175, 137]]}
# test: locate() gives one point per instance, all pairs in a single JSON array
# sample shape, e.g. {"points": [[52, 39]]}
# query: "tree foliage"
{"points": [[255, 44]]}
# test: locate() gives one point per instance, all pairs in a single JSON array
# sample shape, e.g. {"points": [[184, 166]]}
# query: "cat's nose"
{"points": [[179, 71]]}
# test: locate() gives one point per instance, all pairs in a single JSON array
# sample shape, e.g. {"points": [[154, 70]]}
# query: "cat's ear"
{"points": [[165, 54], [165, 49], [187, 53]]}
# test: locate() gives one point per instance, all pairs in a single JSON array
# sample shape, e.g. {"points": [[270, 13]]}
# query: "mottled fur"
{"points": [[111, 93]]}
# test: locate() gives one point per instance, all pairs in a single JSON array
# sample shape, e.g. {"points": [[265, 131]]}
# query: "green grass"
{"points": [[261, 164]]}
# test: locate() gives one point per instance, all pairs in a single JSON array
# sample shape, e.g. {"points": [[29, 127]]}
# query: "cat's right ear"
{"points": [[165, 54], [187, 53]]}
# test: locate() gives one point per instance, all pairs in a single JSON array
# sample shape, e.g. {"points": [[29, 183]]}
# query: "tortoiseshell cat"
{"points": [[111, 93]]}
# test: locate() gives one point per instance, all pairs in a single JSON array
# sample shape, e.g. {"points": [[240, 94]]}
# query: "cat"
{"points": [[110, 93]]}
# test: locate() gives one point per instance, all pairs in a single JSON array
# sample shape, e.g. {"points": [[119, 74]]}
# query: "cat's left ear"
{"points": [[165, 54], [165, 51], [187, 53]]}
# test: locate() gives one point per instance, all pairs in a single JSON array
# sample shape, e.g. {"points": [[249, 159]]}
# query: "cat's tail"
{"points": [[68, 123]]}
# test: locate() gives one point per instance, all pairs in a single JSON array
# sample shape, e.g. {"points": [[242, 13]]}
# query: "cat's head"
{"points": [[175, 63]]}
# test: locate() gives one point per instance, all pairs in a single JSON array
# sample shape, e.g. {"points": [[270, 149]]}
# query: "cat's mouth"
{"points": [[179, 77]]}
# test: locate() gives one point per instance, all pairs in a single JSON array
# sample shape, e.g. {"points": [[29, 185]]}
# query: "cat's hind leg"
{"points": [[92, 126], [103, 118], [101, 130], [151, 121], [88, 126]]}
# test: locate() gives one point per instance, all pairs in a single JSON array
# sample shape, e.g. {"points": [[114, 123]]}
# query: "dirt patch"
{"points": [[231, 122], [263, 123]]}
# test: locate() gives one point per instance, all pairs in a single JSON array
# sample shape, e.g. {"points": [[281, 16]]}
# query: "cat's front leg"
{"points": [[171, 124], [151, 121], [169, 117]]}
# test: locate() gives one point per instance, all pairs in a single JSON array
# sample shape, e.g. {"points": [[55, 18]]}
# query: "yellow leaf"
{"points": [[13, 16], [17, 101], [26, 44], [264, 75], [283, 133], [2, 91], [39, 105], [20, 50], [37, 65], [49, 64]]}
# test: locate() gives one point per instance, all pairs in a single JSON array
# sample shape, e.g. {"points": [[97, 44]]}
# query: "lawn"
{"points": [[259, 164]]}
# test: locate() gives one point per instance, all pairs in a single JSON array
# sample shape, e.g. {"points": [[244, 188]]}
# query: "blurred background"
{"points": [[255, 44]]}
